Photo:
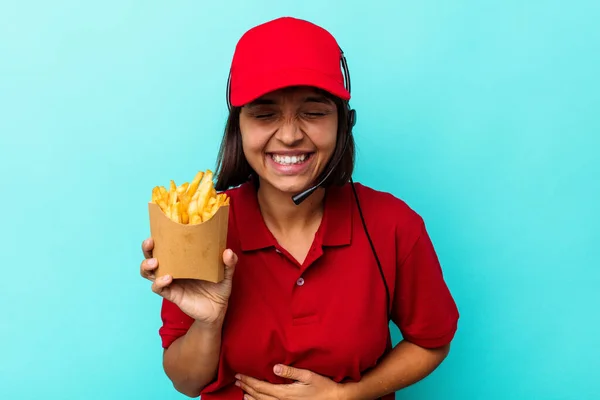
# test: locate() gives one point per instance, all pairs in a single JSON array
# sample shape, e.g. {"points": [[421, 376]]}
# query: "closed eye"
{"points": [[263, 116], [315, 114]]}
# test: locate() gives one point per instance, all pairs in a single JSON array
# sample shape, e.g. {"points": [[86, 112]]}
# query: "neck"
{"points": [[280, 212]]}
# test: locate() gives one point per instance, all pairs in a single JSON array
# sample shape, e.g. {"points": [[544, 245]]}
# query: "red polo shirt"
{"points": [[327, 315]]}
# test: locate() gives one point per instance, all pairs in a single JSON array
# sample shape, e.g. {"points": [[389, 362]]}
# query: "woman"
{"points": [[303, 311]]}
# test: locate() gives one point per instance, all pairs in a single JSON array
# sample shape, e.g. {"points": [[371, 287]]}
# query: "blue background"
{"points": [[482, 115]]}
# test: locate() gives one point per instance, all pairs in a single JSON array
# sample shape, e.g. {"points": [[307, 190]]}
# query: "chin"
{"points": [[289, 185], [292, 188]]}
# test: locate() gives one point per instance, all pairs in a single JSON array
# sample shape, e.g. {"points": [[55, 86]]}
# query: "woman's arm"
{"points": [[191, 361], [405, 365]]}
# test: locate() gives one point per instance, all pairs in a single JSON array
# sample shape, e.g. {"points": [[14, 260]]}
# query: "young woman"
{"points": [[312, 284]]}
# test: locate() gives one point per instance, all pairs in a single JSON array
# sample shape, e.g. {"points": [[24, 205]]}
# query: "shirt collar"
{"points": [[335, 229]]}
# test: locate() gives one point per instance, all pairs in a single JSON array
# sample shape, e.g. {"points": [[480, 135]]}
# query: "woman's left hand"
{"points": [[307, 385]]}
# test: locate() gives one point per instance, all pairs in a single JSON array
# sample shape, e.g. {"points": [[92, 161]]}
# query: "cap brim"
{"points": [[256, 86]]}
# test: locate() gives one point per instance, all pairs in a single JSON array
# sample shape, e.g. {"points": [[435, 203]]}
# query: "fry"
{"points": [[194, 185], [191, 202], [181, 189]]}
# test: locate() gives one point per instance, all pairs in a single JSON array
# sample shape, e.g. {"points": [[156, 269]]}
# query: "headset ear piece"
{"points": [[228, 91], [351, 118]]}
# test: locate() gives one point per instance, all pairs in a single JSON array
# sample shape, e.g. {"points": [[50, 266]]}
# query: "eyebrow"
{"points": [[317, 99]]}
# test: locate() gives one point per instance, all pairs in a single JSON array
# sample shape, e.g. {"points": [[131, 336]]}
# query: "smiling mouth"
{"points": [[291, 160]]}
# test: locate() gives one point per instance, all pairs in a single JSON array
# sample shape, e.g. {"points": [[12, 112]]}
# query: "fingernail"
{"points": [[165, 278], [238, 376], [152, 262], [277, 369]]}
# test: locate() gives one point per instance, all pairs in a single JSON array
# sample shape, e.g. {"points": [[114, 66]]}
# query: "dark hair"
{"points": [[233, 168]]}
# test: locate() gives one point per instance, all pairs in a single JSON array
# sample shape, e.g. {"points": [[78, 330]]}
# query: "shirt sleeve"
{"points": [[175, 323], [423, 307]]}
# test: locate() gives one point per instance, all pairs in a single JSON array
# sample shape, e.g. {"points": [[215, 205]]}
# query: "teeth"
{"points": [[287, 160]]}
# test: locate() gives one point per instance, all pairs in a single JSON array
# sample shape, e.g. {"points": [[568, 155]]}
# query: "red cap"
{"points": [[285, 52]]}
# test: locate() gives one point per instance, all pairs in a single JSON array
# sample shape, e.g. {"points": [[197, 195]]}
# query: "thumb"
{"points": [[295, 374], [230, 260]]}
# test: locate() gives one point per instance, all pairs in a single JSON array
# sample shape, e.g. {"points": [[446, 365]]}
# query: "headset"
{"points": [[300, 197]]}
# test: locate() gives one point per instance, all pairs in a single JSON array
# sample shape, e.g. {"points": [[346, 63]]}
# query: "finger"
{"points": [[147, 247], [148, 268], [296, 374], [251, 393], [161, 287], [258, 389], [230, 258]]}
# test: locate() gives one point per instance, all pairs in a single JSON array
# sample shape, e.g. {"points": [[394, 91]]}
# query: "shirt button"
{"points": [[300, 281]]}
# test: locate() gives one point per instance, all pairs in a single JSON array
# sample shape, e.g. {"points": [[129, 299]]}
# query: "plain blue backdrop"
{"points": [[482, 115]]}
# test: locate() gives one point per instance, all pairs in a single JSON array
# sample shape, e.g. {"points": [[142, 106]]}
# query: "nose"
{"points": [[290, 133]]}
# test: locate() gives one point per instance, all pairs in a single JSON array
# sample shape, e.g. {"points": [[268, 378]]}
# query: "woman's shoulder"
{"points": [[387, 206]]}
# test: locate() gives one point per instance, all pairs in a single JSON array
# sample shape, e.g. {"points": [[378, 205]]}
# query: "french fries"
{"points": [[191, 202]]}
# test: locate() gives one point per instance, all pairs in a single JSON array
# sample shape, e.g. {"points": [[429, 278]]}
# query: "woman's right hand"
{"points": [[204, 301]]}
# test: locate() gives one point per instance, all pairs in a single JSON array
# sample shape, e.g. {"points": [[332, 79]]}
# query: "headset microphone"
{"points": [[300, 197]]}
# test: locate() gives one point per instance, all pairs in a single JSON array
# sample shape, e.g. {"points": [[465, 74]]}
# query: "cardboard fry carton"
{"points": [[188, 224], [189, 251]]}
